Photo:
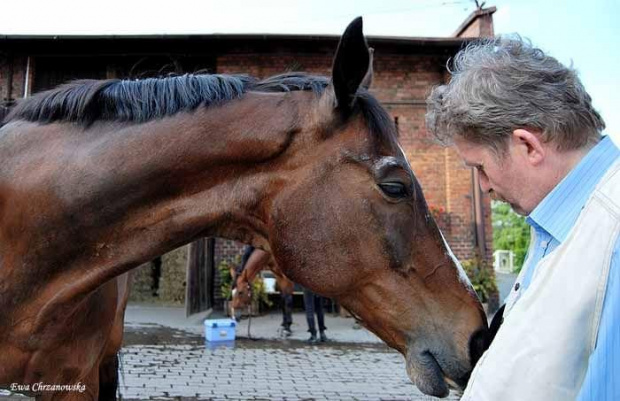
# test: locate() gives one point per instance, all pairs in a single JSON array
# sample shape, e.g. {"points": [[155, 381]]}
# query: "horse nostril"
{"points": [[478, 343]]}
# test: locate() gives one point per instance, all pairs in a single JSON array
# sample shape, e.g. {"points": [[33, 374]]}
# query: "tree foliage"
{"points": [[510, 232]]}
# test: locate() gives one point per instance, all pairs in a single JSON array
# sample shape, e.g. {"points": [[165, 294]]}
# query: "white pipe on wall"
{"points": [[27, 79]]}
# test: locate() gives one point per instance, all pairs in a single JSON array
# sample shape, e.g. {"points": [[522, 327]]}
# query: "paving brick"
{"points": [[260, 373]]}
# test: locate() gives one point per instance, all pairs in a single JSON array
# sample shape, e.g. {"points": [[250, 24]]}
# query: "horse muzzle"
{"points": [[434, 373], [424, 371]]}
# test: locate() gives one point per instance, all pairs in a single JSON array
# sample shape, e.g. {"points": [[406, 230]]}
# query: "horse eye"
{"points": [[394, 189]]}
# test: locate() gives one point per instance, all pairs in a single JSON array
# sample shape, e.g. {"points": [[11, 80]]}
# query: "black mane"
{"points": [[137, 101]]}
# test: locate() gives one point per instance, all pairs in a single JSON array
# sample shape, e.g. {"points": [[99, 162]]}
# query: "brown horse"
{"points": [[98, 177], [242, 285]]}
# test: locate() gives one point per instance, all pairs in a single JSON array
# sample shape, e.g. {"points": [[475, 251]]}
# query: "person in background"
{"points": [[313, 303], [526, 123]]}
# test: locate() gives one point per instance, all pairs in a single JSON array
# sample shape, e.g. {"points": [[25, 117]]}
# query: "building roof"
{"points": [[428, 41], [214, 43]]}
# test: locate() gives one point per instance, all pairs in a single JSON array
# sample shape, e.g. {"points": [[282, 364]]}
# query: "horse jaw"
{"points": [[422, 367]]}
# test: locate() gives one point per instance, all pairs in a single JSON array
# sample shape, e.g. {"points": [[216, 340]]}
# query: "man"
{"points": [[526, 123]]}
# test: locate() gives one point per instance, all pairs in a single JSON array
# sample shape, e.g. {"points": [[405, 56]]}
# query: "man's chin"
{"points": [[518, 210], [515, 208]]}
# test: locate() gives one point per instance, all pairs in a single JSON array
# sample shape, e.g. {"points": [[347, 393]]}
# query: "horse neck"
{"points": [[206, 174], [250, 272], [157, 186]]}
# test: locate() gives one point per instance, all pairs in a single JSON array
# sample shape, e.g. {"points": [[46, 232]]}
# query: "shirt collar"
{"points": [[559, 210]]}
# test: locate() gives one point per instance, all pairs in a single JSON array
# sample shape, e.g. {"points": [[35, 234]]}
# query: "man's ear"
{"points": [[529, 145]]}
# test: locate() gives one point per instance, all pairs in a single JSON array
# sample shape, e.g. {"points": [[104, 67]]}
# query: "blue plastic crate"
{"points": [[220, 329], [212, 345]]}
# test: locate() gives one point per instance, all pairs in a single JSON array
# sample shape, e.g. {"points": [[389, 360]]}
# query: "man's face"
{"points": [[500, 175]]}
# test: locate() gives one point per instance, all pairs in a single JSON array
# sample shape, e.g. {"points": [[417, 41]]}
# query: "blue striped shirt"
{"points": [[552, 221]]}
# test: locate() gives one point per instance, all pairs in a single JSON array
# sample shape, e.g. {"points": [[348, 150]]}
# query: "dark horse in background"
{"points": [[242, 285], [98, 177]]}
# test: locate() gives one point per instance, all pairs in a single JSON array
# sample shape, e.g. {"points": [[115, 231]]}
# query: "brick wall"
{"points": [[172, 280], [19, 70], [265, 65], [229, 251]]}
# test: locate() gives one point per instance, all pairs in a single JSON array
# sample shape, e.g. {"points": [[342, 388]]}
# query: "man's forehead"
{"points": [[469, 152]]}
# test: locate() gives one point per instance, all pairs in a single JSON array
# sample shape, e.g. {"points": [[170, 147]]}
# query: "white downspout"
{"points": [[27, 79]]}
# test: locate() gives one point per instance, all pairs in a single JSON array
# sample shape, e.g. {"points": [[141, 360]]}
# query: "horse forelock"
{"points": [[380, 124]]}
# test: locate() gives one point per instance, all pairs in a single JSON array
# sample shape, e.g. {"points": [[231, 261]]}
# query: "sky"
{"points": [[583, 33]]}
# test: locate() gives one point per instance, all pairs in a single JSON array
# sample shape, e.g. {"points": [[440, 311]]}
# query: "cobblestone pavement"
{"points": [[164, 357], [265, 370]]}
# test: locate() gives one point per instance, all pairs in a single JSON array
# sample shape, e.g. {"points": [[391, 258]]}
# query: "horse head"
{"points": [[241, 293], [352, 223]]}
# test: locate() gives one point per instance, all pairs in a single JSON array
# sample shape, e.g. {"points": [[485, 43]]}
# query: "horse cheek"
{"points": [[303, 226]]}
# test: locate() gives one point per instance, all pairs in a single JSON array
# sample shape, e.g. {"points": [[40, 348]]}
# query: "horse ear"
{"points": [[367, 81], [352, 65]]}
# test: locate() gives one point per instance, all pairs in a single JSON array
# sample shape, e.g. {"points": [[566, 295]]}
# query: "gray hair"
{"points": [[502, 84]]}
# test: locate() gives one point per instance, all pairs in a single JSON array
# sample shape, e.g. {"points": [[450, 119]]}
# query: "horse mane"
{"points": [[138, 101]]}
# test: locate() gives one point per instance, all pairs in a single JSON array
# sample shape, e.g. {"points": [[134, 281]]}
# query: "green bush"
{"points": [[510, 232], [259, 293], [482, 277], [225, 278]]}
